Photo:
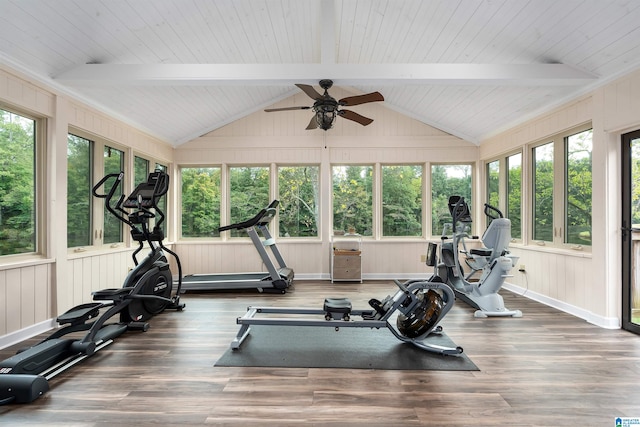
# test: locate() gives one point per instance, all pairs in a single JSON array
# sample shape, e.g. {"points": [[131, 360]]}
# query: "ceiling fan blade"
{"points": [[361, 99], [313, 124], [310, 91], [271, 110], [350, 115]]}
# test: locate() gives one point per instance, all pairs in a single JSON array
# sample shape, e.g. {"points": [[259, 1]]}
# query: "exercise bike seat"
{"points": [[337, 305], [481, 252]]}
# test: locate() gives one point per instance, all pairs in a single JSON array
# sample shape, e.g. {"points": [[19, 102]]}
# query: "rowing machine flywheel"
{"points": [[424, 317]]}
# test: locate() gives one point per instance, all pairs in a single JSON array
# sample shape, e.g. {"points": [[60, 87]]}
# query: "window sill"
{"points": [[21, 261]]}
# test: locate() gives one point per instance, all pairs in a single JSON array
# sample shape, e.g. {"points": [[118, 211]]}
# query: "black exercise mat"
{"points": [[349, 348]]}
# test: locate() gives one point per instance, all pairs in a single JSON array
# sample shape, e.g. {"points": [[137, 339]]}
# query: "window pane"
{"points": [[17, 186], [514, 194], [543, 192], [446, 181], [402, 200], [113, 163], [578, 181], [353, 199], [162, 203], [200, 202], [249, 193], [140, 170], [299, 195], [493, 183], [78, 191]]}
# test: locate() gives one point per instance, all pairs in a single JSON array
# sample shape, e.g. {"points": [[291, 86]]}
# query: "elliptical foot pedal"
{"points": [[337, 308]]}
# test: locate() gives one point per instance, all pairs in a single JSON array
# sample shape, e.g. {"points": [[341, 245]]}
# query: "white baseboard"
{"points": [[601, 321], [26, 333]]}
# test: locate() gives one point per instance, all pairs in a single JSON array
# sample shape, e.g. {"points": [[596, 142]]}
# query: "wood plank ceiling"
{"points": [[181, 68]]}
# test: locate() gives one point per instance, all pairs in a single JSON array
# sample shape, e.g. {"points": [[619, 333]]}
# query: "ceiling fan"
{"points": [[326, 107]]}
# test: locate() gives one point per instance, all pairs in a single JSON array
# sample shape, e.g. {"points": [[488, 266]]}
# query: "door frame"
{"points": [[627, 248]]}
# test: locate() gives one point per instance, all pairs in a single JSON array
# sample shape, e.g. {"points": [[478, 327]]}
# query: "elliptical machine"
{"points": [[146, 292], [492, 261]]}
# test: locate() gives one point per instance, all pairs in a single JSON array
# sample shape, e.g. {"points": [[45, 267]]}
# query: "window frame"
{"points": [[375, 220], [223, 203], [97, 206], [559, 140], [275, 229], [40, 171], [423, 204], [471, 203]]}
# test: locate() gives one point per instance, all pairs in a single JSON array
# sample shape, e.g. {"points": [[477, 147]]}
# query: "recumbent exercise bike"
{"points": [[146, 291], [492, 261]]}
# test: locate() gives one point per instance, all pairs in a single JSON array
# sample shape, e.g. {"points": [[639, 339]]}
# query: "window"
{"points": [[578, 188], [249, 193], [493, 183], [299, 194], [543, 192], [88, 221], [79, 173], [562, 188], [353, 199], [514, 194], [446, 181], [18, 184], [140, 170], [113, 163], [402, 200], [200, 201]]}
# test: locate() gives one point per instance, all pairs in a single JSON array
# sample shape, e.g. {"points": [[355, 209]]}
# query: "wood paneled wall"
{"points": [[35, 289]]}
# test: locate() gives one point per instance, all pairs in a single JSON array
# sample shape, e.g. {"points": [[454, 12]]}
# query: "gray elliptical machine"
{"points": [[492, 261]]}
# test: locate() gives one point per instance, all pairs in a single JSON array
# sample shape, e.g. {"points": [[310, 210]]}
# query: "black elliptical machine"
{"points": [[146, 292]]}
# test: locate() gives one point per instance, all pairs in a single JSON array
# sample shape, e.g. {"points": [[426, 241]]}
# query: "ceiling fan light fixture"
{"points": [[325, 117]]}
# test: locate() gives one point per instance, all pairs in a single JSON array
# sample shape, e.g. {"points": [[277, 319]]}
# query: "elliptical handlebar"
{"points": [[491, 211], [108, 196]]}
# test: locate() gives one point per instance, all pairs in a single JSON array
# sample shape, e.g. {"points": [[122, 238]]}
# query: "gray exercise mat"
{"points": [[349, 348]]}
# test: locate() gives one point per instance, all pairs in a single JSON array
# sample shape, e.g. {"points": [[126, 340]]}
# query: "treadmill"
{"points": [[275, 280]]}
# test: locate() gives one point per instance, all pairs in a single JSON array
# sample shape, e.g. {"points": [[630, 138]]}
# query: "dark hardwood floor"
{"points": [[544, 369]]}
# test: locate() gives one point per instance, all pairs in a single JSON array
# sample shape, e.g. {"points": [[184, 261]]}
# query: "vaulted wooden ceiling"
{"points": [[180, 68]]}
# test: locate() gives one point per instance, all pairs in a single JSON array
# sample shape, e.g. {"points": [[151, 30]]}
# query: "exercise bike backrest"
{"points": [[497, 236]]}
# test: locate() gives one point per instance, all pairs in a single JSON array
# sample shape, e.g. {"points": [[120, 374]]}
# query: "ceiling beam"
{"points": [[341, 74]]}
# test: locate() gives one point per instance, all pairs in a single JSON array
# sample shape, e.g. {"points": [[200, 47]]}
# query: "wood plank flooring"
{"points": [[544, 369]]}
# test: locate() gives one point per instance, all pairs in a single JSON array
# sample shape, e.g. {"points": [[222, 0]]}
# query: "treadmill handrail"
{"points": [[269, 211]]}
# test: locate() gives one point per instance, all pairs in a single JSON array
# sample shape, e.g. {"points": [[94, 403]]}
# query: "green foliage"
{"points": [[635, 182], [17, 184], [543, 179], [299, 194], [446, 181], [402, 200], [493, 184], [113, 163], [200, 202], [79, 162], [249, 194], [579, 188], [353, 199], [514, 194]]}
